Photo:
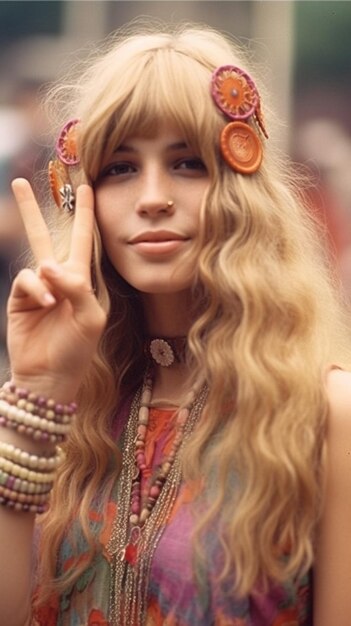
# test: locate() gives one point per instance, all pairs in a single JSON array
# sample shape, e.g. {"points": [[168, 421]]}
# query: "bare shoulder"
{"points": [[338, 435], [332, 598], [338, 385]]}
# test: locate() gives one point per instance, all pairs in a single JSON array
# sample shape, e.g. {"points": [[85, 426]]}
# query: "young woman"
{"points": [[182, 300]]}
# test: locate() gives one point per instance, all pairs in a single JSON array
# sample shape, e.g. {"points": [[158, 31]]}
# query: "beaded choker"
{"points": [[140, 520], [165, 351]]}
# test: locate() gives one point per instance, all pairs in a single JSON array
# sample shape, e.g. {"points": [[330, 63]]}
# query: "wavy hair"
{"points": [[267, 322]]}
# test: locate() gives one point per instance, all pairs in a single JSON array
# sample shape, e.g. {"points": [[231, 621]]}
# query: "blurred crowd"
{"points": [[324, 144], [22, 154]]}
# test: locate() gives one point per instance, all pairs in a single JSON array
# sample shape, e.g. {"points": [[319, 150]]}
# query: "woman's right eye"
{"points": [[118, 169]]}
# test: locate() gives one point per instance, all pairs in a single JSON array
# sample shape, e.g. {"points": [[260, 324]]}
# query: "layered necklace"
{"points": [[140, 521]]}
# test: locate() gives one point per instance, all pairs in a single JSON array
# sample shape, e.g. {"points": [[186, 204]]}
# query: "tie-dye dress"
{"points": [[175, 596]]}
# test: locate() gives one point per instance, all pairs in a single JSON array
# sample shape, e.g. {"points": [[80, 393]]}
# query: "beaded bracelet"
{"points": [[22, 497], [35, 416], [23, 486], [36, 435], [32, 403], [25, 473], [26, 479], [23, 507], [12, 413], [31, 461]]}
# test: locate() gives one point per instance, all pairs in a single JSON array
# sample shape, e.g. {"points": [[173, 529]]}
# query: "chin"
{"points": [[157, 281], [159, 286]]}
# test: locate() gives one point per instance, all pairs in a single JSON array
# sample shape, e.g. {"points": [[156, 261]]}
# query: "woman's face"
{"points": [[148, 199]]}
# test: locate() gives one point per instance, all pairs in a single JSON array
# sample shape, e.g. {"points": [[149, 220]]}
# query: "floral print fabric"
{"points": [[179, 592]]}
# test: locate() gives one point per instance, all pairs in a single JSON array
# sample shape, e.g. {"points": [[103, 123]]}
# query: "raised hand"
{"points": [[54, 318]]}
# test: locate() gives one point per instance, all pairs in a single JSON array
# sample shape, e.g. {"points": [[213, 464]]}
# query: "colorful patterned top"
{"points": [[175, 595]]}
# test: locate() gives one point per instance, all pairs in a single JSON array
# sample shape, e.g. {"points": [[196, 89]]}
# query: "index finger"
{"points": [[82, 230], [34, 223]]}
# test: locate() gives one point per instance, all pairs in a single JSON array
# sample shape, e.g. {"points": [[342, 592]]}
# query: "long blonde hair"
{"points": [[268, 325]]}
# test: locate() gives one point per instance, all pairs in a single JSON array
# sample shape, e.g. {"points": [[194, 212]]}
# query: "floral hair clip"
{"points": [[235, 94], [61, 186], [67, 156]]}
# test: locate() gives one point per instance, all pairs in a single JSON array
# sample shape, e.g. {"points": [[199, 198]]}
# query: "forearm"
{"points": [[16, 540], [27, 468]]}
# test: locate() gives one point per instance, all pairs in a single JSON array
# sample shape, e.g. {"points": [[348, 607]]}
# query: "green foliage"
{"points": [[322, 41], [29, 17]]}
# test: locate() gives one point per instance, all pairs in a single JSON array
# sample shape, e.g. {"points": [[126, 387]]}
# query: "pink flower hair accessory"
{"points": [[66, 145], [234, 92], [67, 156]]}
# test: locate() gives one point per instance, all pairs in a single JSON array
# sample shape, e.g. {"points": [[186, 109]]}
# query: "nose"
{"points": [[155, 197], [154, 207]]}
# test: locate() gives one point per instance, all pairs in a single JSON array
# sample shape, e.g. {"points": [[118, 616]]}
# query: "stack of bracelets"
{"points": [[26, 479]]}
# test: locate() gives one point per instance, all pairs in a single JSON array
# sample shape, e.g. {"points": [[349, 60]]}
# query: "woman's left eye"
{"points": [[193, 163]]}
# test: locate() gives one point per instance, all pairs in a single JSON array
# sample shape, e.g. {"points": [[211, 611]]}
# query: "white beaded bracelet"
{"points": [[30, 461], [14, 414], [24, 473]]}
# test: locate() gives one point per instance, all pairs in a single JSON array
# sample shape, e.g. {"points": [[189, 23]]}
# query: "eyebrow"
{"points": [[181, 145]]}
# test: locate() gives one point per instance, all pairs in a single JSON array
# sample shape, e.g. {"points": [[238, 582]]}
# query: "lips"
{"points": [[156, 243], [157, 237]]}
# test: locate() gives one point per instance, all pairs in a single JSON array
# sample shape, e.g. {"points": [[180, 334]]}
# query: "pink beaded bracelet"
{"points": [[23, 507], [17, 496], [46, 407], [23, 486], [34, 416]]}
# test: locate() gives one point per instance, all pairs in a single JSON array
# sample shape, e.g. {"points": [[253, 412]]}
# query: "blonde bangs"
{"points": [[166, 88], [134, 94]]}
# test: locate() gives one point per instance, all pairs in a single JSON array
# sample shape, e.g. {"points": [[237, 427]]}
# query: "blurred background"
{"points": [[304, 46]]}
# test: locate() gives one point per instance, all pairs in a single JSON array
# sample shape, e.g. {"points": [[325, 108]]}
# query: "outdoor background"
{"points": [[304, 45]]}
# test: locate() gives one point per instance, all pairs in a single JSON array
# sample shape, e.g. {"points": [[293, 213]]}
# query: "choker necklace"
{"points": [[166, 350], [141, 518]]}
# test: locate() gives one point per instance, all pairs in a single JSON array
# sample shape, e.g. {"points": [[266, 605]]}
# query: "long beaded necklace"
{"points": [[139, 525]]}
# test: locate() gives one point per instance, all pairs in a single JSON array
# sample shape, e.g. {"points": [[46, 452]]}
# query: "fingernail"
{"points": [[48, 298], [20, 187]]}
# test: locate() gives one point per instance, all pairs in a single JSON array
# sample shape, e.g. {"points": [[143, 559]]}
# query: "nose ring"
{"points": [[170, 203]]}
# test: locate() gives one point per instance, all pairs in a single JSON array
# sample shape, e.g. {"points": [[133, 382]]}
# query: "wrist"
{"points": [[21, 441], [46, 386]]}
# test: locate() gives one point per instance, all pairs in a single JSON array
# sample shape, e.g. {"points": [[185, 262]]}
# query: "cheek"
{"points": [[106, 212], [106, 230], [193, 211], [196, 199], [109, 219], [103, 199]]}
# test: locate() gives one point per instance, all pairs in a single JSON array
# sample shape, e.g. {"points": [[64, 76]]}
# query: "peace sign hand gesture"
{"points": [[54, 318]]}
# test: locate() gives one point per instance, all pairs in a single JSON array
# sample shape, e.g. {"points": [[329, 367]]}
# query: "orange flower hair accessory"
{"points": [[61, 186], [241, 147], [235, 94]]}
